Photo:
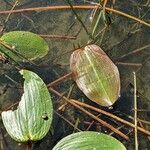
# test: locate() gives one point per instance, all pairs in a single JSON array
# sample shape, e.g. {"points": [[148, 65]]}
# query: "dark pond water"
{"points": [[123, 36]]}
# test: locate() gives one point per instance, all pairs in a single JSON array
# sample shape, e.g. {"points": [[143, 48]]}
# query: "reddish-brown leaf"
{"points": [[96, 75]]}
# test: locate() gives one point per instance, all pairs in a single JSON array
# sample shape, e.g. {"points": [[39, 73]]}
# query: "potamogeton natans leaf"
{"points": [[32, 119], [96, 75], [89, 140]]}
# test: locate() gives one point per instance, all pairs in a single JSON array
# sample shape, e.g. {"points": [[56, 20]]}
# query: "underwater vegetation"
{"points": [[74, 66]]}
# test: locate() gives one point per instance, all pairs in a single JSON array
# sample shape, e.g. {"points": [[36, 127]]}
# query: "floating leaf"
{"points": [[33, 117], [95, 74], [89, 140], [27, 44]]}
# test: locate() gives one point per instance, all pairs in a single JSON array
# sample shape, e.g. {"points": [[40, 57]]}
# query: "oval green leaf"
{"points": [[26, 44], [89, 140], [96, 75], [32, 119]]}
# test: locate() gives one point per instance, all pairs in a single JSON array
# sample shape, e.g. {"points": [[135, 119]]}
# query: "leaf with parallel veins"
{"points": [[89, 140], [32, 119], [96, 75]]}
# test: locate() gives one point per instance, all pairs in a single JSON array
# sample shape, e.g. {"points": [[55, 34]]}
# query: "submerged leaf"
{"points": [[24, 43], [27, 122], [89, 140], [96, 75], [101, 19]]}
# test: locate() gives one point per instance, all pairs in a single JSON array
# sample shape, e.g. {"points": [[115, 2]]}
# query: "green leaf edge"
{"points": [[4, 113], [6, 37], [78, 138]]}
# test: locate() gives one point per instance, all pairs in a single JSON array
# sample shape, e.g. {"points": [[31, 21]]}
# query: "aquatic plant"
{"points": [[94, 71]]}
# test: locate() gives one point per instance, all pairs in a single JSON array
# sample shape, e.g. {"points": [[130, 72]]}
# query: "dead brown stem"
{"points": [[59, 80], [58, 36], [134, 51], [75, 7], [112, 116], [91, 115], [129, 64], [104, 4]]}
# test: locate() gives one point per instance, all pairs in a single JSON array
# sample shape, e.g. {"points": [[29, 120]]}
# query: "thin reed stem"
{"points": [[75, 7]]}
